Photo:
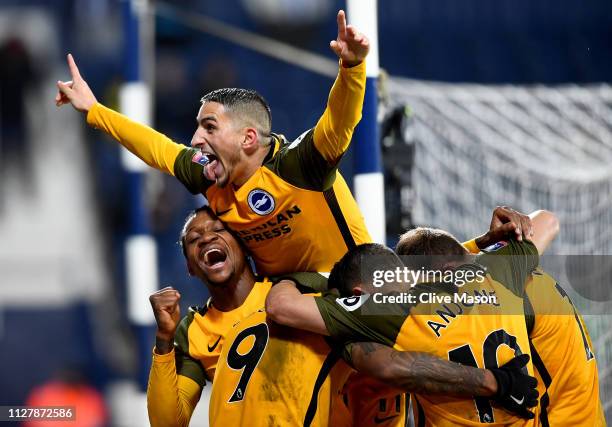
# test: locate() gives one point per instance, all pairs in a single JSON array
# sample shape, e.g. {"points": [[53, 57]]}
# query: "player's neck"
{"points": [[250, 165], [233, 294]]}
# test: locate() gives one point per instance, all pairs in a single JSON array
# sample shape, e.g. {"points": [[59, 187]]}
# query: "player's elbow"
{"points": [[544, 219], [545, 227], [552, 221]]}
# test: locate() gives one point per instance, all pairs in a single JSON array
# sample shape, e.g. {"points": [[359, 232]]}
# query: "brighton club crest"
{"points": [[261, 202]]}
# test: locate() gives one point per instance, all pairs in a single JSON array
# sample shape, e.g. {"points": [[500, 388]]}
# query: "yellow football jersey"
{"points": [[201, 334], [481, 324], [373, 404], [271, 375], [481, 336], [563, 357], [296, 203], [295, 196]]}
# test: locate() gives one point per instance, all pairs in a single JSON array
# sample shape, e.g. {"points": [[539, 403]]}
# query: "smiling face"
{"points": [[219, 137], [213, 253]]}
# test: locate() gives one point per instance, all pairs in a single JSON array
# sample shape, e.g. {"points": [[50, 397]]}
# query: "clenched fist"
{"points": [[506, 223], [165, 304]]}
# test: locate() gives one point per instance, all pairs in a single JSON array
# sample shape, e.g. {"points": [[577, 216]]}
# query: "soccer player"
{"points": [[464, 330], [271, 192], [264, 370], [568, 381], [186, 352]]}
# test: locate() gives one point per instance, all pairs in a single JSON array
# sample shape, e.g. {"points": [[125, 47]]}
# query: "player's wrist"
{"points": [[503, 382], [164, 343], [490, 386], [483, 241], [350, 64], [89, 104], [91, 113]]}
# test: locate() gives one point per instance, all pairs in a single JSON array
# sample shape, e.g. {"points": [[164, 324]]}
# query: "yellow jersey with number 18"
{"points": [[479, 324]]}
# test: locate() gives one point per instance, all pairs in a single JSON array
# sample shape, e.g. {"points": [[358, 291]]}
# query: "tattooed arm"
{"points": [[410, 371], [421, 372]]}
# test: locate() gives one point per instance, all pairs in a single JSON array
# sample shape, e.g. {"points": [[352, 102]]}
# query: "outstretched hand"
{"points": [[351, 46], [76, 91]]}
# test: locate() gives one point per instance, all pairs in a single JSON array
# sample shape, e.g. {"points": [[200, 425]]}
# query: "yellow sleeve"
{"points": [[171, 398], [471, 246], [152, 147], [334, 130]]}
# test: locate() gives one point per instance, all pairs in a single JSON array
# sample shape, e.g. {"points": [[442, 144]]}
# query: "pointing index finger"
{"points": [[341, 19], [74, 70]]}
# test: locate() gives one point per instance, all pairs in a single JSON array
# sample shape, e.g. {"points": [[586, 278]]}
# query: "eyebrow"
{"points": [[206, 118], [188, 231], [195, 228]]}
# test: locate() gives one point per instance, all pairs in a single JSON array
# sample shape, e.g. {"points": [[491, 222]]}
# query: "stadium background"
{"points": [[520, 114]]}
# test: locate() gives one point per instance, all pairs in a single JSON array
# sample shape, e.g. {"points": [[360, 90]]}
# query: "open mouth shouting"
{"points": [[214, 257]]}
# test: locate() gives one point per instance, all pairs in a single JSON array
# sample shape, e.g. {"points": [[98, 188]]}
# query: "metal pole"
{"points": [[140, 248], [369, 181]]}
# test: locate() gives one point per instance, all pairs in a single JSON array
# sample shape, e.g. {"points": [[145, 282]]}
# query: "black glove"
{"points": [[516, 390]]}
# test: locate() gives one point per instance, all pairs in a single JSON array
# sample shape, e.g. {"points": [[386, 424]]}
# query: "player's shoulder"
{"points": [[182, 332], [304, 137], [299, 162], [283, 148], [306, 282], [259, 292]]}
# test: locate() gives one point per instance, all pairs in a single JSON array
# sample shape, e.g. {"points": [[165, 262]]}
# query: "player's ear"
{"points": [[250, 144]]}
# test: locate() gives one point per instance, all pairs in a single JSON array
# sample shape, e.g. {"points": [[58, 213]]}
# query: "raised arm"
{"points": [[171, 397], [540, 227], [334, 130], [505, 222], [152, 147], [545, 229], [75, 91]]}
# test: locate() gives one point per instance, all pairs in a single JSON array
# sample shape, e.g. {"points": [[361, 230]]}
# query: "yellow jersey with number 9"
{"points": [[271, 375]]}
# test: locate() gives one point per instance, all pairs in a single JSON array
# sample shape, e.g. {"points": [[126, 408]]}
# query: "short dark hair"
{"points": [[190, 216], [249, 105], [357, 266], [213, 215], [438, 246]]}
